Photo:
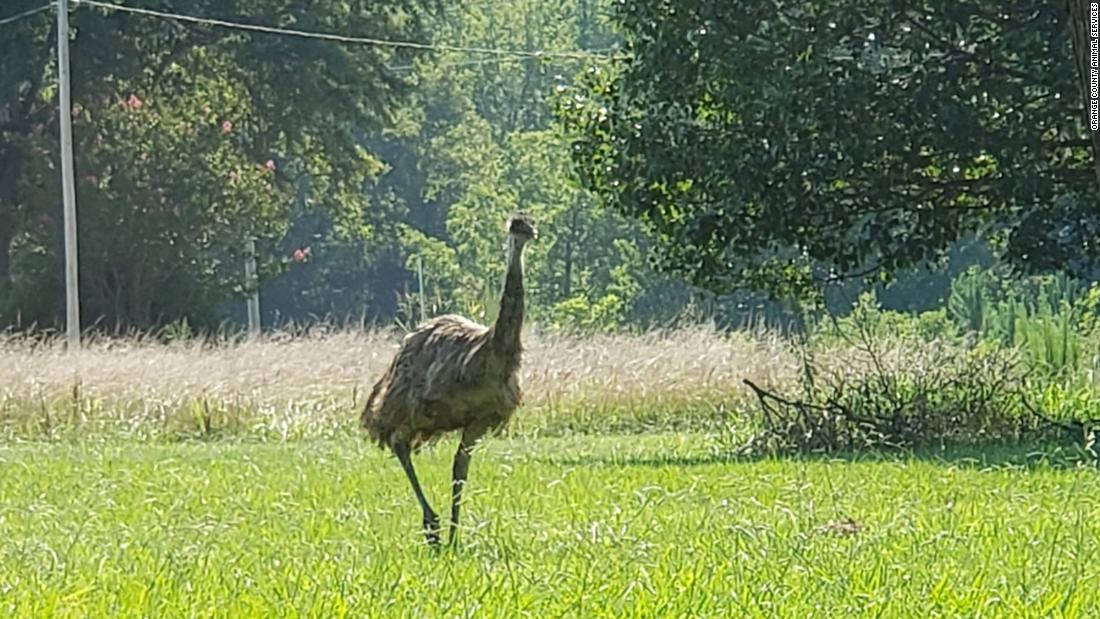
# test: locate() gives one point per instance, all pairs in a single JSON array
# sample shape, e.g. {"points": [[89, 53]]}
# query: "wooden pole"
{"points": [[252, 281], [68, 188], [420, 288]]}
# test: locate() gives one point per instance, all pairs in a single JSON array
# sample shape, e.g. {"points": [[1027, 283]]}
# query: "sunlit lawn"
{"points": [[620, 526]]}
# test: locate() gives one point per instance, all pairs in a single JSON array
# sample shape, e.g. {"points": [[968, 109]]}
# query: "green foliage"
{"points": [[388, 159], [192, 208], [883, 379], [969, 300], [1004, 321], [1088, 308], [867, 314], [187, 142], [604, 314], [778, 145], [483, 144], [1076, 399], [935, 325], [371, 184], [1050, 341], [178, 331], [1042, 316]]}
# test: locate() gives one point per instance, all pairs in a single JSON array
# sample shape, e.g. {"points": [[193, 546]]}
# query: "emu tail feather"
{"points": [[365, 416], [371, 419]]}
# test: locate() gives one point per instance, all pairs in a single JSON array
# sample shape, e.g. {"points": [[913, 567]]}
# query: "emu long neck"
{"points": [[509, 323]]}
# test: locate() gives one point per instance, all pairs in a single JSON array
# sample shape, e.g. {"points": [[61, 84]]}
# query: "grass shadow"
{"points": [[1063, 455], [1030, 455]]}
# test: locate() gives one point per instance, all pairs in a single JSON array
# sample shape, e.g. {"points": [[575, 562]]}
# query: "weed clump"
{"points": [[874, 380], [917, 395]]}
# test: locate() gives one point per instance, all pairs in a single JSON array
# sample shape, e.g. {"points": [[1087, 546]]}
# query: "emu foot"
{"points": [[432, 531]]}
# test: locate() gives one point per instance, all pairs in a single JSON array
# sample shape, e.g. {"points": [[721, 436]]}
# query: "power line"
{"points": [[18, 16], [328, 36]]}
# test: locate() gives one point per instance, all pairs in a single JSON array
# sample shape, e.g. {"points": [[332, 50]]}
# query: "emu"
{"points": [[453, 374]]}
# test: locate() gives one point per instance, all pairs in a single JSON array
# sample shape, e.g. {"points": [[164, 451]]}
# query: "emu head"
{"points": [[521, 227]]}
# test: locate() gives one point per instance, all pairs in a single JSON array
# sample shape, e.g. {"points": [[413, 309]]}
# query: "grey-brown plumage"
{"points": [[453, 374]]}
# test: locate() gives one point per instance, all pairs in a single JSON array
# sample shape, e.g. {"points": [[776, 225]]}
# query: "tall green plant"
{"points": [[1003, 320], [969, 300], [1040, 316], [1050, 342]]}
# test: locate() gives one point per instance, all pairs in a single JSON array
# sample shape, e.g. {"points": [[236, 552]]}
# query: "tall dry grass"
{"points": [[312, 384]]}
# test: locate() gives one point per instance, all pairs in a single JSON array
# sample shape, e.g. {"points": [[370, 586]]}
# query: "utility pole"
{"points": [[252, 283], [420, 287], [68, 188]]}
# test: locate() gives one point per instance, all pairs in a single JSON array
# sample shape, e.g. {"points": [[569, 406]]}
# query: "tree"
{"points": [[190, 138], [1080, 25], [779, 145], [477, 141]]}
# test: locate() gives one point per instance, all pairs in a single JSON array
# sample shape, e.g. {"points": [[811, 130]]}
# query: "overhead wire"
{"points": [[28, 13], [342, 38]]}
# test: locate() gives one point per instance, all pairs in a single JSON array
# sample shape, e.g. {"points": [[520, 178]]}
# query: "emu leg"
{"points": [[431, 520], [470, 438]]}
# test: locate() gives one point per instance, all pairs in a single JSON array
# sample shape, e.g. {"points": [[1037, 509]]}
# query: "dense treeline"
{"points": [[353, 166], [358, 167]]}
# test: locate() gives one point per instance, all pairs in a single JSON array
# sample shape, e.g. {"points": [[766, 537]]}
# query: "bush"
{"points": [[895, 392], [868, 313]]}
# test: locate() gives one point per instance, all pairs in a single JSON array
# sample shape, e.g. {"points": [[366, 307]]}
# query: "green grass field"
{"points": [[621, 526]]}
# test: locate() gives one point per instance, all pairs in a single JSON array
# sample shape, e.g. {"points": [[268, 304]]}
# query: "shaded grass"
{"points": [[669, 528]]}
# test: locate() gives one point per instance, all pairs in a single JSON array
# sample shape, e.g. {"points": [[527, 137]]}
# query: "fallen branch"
{"points": [[1075, 428]]}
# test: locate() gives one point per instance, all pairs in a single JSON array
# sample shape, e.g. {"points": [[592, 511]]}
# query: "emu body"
{"points": [[453, 374]]}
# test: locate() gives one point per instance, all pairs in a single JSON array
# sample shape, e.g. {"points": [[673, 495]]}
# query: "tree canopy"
{"points": [[354, 167], [779, 145], [772, 147], [190, 139]]}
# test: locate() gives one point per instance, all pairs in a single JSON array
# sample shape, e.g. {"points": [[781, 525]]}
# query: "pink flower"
{"points": [[270, 165], [91, 179], [301, 255], [134, 103], [233, 176], [227, 126]]}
